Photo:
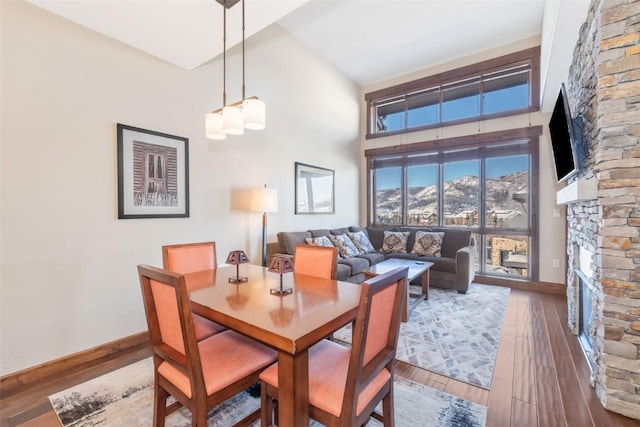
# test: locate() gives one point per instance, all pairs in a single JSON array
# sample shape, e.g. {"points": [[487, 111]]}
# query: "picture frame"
{"points": [[315, 190], [153, 174]]}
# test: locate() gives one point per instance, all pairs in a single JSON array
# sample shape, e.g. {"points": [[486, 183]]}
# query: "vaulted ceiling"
{"points": [[368, 40]]}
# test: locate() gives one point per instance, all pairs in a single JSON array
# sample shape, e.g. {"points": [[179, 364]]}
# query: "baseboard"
{"points": [[546, 287], [13, 383]]}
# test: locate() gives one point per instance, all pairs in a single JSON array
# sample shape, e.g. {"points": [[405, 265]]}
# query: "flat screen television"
{"points": [[563, 138]]}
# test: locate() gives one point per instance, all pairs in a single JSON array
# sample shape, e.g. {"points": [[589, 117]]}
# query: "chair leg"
{"points": [[387, 409], [159, 405], [266, 407], [199, 413]]}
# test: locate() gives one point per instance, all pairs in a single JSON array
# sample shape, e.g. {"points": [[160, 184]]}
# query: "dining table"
{"points": [[289, 323]]}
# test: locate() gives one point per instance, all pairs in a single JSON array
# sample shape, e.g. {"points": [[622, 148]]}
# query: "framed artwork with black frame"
{"points": [[315, 189], [153, 174]]}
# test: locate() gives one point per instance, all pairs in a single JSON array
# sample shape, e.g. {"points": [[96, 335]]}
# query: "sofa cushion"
{"points": [[343, 272], [289, 239], [373, 257], [320, 232], [361, 240], [428, 243], [355, 229], [346, 248], [403, 255], [453, 240], [357, 264], [338, 231], [441, 263], [376, 236], [395, 241]]}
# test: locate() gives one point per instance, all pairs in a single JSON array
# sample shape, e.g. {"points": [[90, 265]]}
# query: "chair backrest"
{"points": [[318, 261], [170, 322], [375, 333], [189, 257]]}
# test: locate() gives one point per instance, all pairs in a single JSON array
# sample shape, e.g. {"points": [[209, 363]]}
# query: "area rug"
{"points": [[452, 334], [124, 398]]}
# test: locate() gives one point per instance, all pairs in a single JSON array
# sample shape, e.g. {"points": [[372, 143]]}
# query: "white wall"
{"points": [[68, 266], [552, 229]]}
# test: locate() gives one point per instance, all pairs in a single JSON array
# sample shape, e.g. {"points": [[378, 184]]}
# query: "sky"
{"points": [[499, 100]]}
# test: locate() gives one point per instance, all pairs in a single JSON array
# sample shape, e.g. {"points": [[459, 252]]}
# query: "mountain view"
{"points": [[506, 201]]}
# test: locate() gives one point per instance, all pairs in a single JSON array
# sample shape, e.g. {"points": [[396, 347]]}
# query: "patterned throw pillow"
{"points": [[345, 246], [395, 241], [319, 241], [428, 243], [362, 242]]}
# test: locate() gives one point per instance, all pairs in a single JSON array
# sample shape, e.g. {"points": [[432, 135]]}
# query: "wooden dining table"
{"points": [[290, 323]]}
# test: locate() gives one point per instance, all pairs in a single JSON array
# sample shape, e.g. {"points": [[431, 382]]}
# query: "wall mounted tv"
{"points": [[564, 138]]}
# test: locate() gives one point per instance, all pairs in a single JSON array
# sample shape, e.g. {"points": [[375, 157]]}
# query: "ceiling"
{"points": [[368, 40]]}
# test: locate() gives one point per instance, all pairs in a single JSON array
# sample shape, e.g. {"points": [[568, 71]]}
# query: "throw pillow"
{"points": [[428, 243], [345, 246], [319, 241], [362, 242], [395, 241]]}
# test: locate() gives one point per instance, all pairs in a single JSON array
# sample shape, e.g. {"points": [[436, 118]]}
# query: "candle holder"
{"points": [[236, 258], [281, 265]]}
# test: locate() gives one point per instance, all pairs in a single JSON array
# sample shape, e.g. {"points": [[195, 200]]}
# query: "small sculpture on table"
{"points": [[281, 265], [236, 258]]}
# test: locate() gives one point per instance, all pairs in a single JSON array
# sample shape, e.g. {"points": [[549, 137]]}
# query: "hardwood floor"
{"points": [[541, 377]]}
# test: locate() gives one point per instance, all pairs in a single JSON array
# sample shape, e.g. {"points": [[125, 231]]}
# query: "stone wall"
{"points": [[604, 87]]}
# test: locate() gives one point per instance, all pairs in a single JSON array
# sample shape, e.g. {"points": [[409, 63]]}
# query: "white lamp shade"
{"points": [[213, 126], [254, 113], [232, 120], [264, 200]]}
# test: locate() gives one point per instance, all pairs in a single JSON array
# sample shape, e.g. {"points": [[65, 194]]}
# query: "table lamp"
{"points": [[236, 258], [264, 200], [281, 265]]}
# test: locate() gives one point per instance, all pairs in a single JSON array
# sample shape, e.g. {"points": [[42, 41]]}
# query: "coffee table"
{"points": [[416, 268]]}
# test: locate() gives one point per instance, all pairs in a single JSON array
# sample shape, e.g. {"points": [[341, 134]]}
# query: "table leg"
{"points": [[405, 310], [293, 389], [425, 284]]}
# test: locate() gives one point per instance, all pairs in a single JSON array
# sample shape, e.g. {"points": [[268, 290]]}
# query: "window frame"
{"points": [[468, 147], [528, 57]]}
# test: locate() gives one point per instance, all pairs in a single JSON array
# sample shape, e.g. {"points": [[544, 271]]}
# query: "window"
{"points": [[496, 88], [423, 197], [483, 183]]}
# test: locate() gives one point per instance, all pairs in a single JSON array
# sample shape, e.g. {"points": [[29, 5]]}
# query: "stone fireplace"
{"points": [[586, 291], [603, 230]]}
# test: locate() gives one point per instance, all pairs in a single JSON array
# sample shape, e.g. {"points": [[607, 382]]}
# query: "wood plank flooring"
{"points": [[541, 377]]}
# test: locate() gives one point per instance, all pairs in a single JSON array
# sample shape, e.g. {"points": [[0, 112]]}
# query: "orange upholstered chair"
{"points": [[318, 261], [188, 258], [346, 384], [198, 374]]}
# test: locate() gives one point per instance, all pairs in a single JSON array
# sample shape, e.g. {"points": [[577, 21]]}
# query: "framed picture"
{"points": [[314, 190], [153, 174]]}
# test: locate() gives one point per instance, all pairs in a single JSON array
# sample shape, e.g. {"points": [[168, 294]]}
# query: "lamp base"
{"points": [[238, 279], [280, 291]]}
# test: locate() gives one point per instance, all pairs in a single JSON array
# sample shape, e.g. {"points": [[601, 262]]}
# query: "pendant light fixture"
{"points": [[248, 113]]}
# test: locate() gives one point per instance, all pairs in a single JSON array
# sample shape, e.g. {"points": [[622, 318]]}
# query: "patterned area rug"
{"points": [[124, 398], [452, 334]]}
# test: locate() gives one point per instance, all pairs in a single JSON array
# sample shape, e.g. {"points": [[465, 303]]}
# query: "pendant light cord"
{"points": [[243, 92], [224, 55]]}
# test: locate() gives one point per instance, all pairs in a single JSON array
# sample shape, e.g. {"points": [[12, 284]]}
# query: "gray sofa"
{"points": [[454, 269]]}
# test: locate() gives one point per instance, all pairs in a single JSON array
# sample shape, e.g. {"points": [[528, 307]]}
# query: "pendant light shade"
{"points": [[254, 112], [249, 113], [213, 124], [232, 120]]}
